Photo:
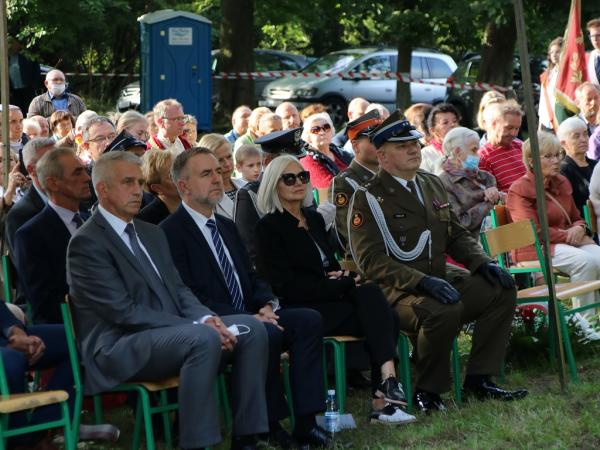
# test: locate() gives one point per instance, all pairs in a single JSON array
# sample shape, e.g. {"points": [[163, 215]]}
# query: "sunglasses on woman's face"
{"points": [[318, 128], [289, 179]]}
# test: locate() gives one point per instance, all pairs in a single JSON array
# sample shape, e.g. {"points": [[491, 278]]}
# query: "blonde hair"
{"points": [[255, 117], [267, 119], [212, 141], [268, 199], [246, 151], [489, 98], [547, 142], [153, 161], [501, 109], [128, 118]]}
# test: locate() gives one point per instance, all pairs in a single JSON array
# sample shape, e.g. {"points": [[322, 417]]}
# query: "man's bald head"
{"points": [[356, 108]]}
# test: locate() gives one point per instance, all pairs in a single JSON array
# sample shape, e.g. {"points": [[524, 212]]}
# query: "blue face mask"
{"points": [[471, 163]]}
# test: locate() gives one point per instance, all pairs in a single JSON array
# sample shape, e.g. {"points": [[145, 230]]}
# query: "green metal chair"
{"points": [[502, 240], [590, 217], [144, 410], [338, 345], [7, 274], [12, 403]]}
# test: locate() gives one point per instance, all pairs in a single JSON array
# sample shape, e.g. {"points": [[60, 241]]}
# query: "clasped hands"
{"points": [[445, 293], [31, 346], [339, 274]]}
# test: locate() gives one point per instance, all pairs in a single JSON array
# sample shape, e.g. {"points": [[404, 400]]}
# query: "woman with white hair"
{"points": [[295, 256], [576, 166], [572, 248], [472, 193], [324, 160], [135, 124]]}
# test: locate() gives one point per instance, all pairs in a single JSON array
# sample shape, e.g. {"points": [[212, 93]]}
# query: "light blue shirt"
{"points": [[66, 215], [60, 103]]}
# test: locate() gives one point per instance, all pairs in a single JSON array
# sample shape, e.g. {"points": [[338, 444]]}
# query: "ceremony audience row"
{"points": [[244, 264]]}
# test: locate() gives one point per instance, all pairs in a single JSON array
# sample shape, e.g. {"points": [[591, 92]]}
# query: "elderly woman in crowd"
{"points": [[135, 124], [442, 119], [576, 166], [294, 255], [472, 192], [324, 160], [221, 148], [61, 124], [190, 129], [573, 250]]}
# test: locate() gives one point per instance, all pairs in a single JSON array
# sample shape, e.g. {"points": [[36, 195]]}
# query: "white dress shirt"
{"points": [[66, 215]]}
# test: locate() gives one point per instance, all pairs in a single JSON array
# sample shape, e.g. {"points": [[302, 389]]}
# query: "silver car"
{"points": [[336, 92]]}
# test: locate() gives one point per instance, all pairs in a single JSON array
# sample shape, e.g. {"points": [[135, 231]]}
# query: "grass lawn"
{"points": [[545, 419]]}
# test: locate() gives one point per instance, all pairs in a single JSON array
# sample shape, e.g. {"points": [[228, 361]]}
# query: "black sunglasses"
{"points": [[289, 179], [317, 129]]}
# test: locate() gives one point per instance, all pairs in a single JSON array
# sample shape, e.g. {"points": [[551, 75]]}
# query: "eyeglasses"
{"points": [[318, 128], [289, 179], [175, 119], [556, 156], [99, 139]]}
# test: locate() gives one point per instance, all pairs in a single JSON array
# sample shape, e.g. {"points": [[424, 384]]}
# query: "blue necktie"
{"points": [[228, 271], [77, 220]]}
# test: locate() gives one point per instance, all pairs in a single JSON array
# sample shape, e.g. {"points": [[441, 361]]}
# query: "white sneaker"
{"points": [[391, 415], [587, 331]]}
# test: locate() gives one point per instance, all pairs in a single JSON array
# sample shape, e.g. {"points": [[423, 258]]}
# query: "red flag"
{"points": [[572, 70]]}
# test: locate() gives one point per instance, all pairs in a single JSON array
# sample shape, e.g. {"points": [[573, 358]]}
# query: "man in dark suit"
{"points": [[137, 320], [35, 199], [211, 259], [37, 347], [40, 246]]}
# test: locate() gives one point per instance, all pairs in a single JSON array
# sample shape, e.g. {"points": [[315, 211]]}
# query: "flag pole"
{"points": [[553, 317], [4, 88]]}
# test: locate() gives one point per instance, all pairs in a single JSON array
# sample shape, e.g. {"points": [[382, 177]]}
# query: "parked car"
{"points": [[336, 92], [467, 71], [264, 61]]}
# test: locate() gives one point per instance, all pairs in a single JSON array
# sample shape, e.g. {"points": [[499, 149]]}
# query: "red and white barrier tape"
{"points": [[477, 86]]}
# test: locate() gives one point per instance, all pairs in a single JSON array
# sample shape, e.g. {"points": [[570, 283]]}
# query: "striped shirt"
{"points": [[505, 163]]}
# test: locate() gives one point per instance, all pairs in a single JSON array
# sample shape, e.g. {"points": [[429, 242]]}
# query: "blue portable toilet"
{"points": [[176, 62]]}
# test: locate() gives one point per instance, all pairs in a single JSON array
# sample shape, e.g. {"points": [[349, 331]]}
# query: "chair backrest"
{"points": [[500, 216], [505, 238], [590, 216]]}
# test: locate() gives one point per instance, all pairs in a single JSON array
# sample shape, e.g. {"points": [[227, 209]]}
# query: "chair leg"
{"points": [[166, 421], [98, 412], [339, 373], [150, 444], [404, 370], [68, 433], [567, 344], [325, 378], [456, 372], [288, 391], [3, 428], [137, 426]]}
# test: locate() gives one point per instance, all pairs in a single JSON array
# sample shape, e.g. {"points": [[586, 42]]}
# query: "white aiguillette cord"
{"points": [[390, 244]]}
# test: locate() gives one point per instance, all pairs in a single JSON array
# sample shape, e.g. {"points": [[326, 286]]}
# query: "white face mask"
{"points": [[56, 89]]}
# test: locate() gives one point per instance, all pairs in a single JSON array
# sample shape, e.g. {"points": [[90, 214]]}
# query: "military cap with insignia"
{"points": [[363, 125], [123, 142], [285, 141], [394, 129]]}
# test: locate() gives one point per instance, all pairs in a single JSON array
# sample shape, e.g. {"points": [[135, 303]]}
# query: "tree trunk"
{"points": [[403, 99], [237, 52], [497, 56]]}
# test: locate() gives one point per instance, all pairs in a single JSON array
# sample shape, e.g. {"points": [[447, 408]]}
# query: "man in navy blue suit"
{"points": [[40, 245], [211, 259]]}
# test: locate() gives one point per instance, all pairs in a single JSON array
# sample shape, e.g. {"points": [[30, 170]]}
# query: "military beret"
{"points": [[285, 141], [123, 142], [363, 125], [394, 129]]}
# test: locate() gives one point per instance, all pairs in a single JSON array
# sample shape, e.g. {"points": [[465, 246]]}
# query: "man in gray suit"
{"points": [[136, 320]]}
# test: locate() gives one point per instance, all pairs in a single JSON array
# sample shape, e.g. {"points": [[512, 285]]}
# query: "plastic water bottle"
{"points": [[332, 414]]}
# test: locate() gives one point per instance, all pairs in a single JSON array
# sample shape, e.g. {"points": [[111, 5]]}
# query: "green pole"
{"points": [[539, 188]]}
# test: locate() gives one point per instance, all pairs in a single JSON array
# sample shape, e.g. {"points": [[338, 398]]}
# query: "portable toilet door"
{"points": [[176, 62]]}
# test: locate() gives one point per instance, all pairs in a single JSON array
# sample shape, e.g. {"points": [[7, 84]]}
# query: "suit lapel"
{"points": [[429, 201], [401, 194]]}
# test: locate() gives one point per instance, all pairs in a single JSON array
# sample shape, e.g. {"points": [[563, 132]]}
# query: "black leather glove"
{"points": [[495, 274], [439, 289]]}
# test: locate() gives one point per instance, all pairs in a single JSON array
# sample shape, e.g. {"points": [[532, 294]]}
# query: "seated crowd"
{"points": [[183, 254]]}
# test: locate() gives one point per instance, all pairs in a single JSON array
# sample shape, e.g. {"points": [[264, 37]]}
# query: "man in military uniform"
{"points": [[401, 228], [361, 169]]}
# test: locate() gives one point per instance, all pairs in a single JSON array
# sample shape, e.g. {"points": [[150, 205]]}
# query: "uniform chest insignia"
{"points": [[439, 205], [341, 199], [380, 199], [357, 219], [400, 216]]}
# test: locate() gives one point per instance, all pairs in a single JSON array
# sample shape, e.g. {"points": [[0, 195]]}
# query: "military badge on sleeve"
{"points": [[357, 219], [341, 199]]}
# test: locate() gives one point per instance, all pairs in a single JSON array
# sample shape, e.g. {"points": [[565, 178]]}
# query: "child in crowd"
{"points": [[248, 162]]}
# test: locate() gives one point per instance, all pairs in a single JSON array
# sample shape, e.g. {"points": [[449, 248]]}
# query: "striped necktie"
{"points": [[228, 271]]}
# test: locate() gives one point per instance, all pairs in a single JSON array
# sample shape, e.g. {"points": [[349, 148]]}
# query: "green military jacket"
{"points": [[342, 191], [406, 219]]}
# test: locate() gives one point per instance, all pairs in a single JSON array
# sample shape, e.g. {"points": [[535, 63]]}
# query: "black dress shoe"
{"points": [[485, 390], [391, 391], [427, 402], [315, 437]]}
